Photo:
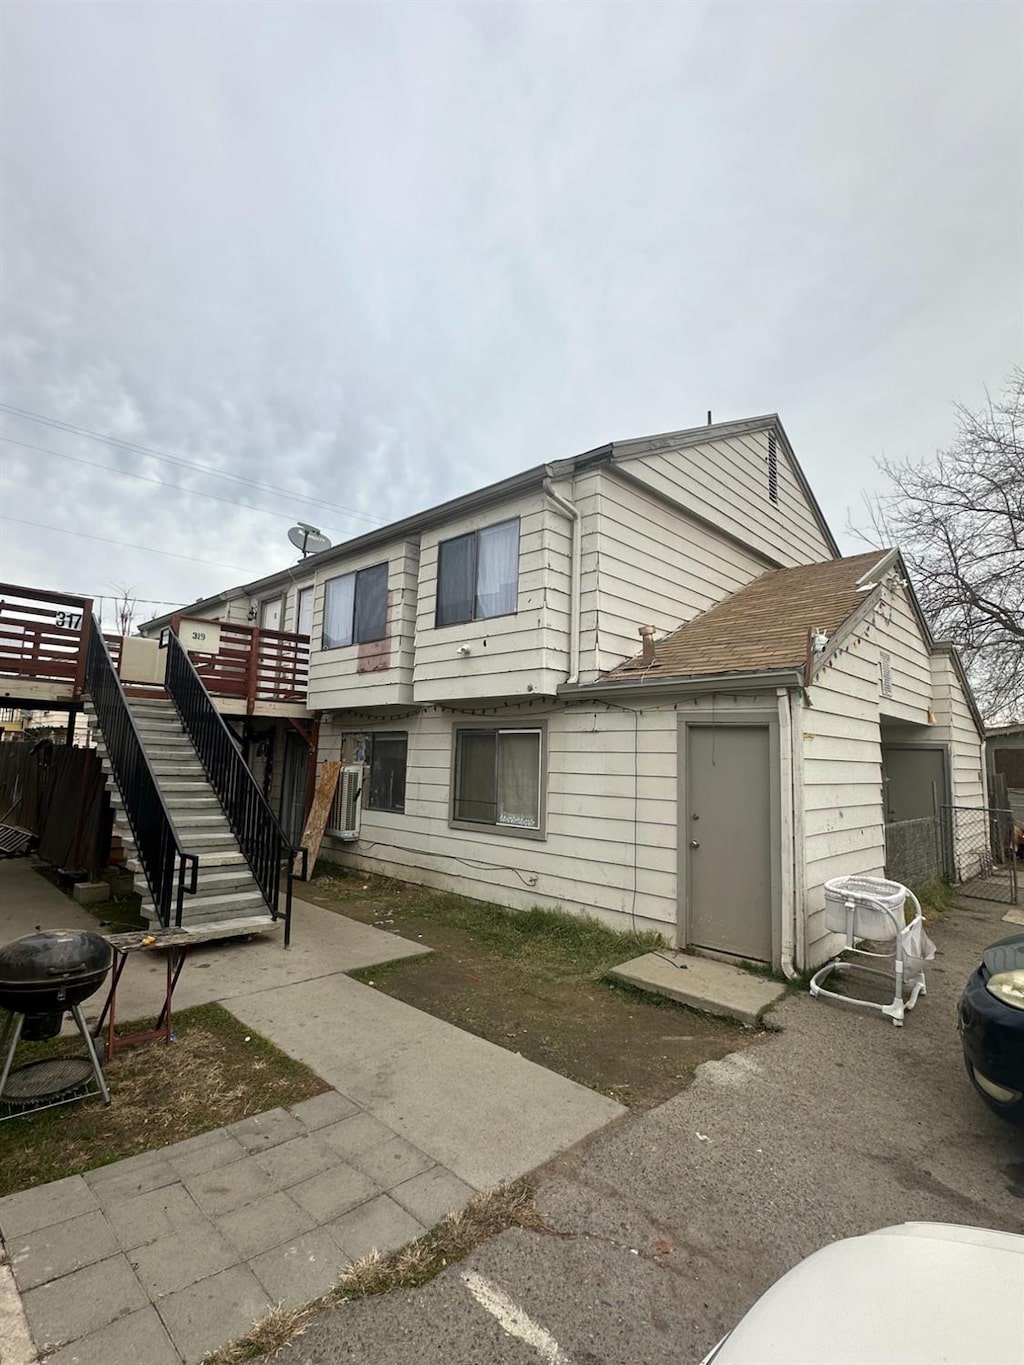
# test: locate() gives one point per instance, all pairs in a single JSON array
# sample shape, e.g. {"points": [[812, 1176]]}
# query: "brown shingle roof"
{"points": [[763, 626]]}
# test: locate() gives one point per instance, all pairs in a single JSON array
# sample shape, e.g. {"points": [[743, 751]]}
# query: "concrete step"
{"points": [[199, 842], [214, 860], [227, 904], [175, 749], [200, 920], [231, 879], [204, 802], [201, 820], [703, 983]]}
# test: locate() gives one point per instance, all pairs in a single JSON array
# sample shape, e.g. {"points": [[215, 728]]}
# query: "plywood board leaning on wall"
{"points": [[313, 834]]}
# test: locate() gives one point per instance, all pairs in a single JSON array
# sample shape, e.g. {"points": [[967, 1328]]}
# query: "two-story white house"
{"points": [[525, 739]]}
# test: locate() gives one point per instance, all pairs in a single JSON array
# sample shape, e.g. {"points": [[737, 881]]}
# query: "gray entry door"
{"points": [[727, 828], [915, 782]]}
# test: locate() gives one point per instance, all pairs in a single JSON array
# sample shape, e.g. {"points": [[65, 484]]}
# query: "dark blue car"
{"points": [[991, 1023]]}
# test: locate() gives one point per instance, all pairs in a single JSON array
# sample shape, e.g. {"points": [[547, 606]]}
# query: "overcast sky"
{"points": [[378, 255]]}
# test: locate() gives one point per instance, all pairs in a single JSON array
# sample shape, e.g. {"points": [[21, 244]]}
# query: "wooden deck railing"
{"points": [[254, 664], [43, 636]]}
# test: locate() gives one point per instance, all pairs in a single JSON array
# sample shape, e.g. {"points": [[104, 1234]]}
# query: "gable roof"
{"points": [[615, 452], [763, 627]]}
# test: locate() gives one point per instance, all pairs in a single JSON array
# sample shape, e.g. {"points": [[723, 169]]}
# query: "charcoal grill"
{"points": [[42, 976]]}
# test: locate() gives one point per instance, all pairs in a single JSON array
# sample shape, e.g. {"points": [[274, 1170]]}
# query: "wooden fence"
{"points": [[58, 793]]}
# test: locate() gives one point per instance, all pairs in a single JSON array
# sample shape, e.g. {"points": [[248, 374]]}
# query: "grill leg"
{"points": [[18, 1020], [76, 1011]]}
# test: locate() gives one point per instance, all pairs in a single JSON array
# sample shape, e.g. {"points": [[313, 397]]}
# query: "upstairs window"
{"points": [[478, 575], [388, 754], [304, 611], [356, 607], [498, 778], [773, 468]]}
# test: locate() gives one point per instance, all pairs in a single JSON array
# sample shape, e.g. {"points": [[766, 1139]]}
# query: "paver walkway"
{"points": [[172, 1253], [167, 1255]]}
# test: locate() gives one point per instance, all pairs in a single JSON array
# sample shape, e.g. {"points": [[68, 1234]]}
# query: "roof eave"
{"points": [[688, 683], [467, 502]]}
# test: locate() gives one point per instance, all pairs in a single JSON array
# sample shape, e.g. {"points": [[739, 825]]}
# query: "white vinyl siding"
{"points": [[725, 482], [842, 787], [587, 863], [650, 564], [378, 673], [526, 652], [956, 724], [897, 632]]}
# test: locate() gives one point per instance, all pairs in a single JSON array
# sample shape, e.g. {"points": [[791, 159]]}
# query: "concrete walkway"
{"points": [[167, 1255]]}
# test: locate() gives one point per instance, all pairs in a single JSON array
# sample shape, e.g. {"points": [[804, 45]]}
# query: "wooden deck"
{"points": [[43, 639]]}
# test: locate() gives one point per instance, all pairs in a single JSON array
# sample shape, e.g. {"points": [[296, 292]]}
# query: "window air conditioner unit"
{"points": [[343, 820]]}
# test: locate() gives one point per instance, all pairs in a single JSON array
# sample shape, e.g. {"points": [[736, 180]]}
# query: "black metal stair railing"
{"points": [[170, 871], [260, 836]]}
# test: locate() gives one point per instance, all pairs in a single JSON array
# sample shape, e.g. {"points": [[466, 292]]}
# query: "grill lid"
{"points": [[53, 956]]}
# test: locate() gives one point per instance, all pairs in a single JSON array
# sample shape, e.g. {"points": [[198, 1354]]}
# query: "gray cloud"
{"points": [[383, 254]]}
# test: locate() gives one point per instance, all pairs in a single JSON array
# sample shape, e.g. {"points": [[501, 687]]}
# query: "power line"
{"points": [[145, 478], [60, 425], [122, 544]]}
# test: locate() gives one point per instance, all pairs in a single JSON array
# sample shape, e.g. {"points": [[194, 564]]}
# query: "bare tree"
{"points": [[124, 608], [959, 520]]}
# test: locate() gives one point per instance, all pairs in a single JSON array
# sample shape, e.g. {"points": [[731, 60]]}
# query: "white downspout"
{"points": [[796, 711], [576, 577], [791, 843]]}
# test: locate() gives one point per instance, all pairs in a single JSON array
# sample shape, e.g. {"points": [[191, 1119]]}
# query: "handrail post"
{"points": [[252, 671], [83, 648]]}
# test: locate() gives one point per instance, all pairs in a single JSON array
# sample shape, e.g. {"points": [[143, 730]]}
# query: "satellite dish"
{"points": [[308, 539]]}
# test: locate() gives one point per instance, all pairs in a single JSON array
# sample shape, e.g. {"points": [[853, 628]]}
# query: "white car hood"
{"points": [[919, 1294]]}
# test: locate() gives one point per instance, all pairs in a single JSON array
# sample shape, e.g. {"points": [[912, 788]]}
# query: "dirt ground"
{"points": [[216, 1072], [551, 1006]]}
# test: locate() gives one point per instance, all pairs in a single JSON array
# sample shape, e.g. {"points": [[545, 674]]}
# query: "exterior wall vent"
{"points": [[885, 671], [773, 468]]}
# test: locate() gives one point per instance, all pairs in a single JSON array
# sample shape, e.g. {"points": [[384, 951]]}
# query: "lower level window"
{"points": [[388, 754], [497, 777]]}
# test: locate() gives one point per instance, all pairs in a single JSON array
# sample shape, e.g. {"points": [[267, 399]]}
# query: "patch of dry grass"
{"points": [[486, 1215], [217, 1072]]}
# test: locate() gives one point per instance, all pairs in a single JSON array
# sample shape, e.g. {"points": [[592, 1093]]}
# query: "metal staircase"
{"points": [[206, 850], [226, 891]]}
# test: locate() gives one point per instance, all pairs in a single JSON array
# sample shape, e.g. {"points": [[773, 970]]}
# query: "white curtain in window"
{"points": [[519, 778], [339, 602], [497, 570]]}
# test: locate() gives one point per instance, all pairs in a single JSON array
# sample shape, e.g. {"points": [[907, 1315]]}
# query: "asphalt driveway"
{"points": [[674, 1221]]}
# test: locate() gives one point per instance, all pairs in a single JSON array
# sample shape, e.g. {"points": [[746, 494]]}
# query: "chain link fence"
{"points": [[970, 846], [913, 851], [979, 849]]}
